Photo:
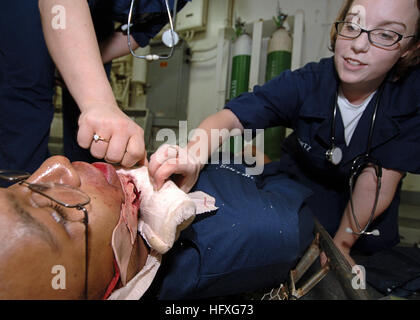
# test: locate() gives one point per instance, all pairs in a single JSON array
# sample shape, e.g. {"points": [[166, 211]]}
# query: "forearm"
{"points": [[75, 52], [363, 202], [211, 134], [116, 46]]}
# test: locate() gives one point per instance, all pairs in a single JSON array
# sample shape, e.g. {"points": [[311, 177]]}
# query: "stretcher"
{"points": [[336, 263]]}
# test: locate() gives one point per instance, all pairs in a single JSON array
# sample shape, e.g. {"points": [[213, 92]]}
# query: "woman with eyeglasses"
{"points": [[77, 37], [355, 119]]}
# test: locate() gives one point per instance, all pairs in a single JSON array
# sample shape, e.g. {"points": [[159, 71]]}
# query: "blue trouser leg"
{"points": [[251, 242], [26, 87]]}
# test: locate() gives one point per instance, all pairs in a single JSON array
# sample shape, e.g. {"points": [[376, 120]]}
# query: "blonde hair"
{"points": [[404, 65]]}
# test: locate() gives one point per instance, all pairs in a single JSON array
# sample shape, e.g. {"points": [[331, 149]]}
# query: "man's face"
{"points": [[35, 237], [359, 62]]}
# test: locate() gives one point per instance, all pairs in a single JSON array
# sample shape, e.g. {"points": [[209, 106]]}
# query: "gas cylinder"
{"points": [[241, 61], [279, 55], [279, 59], [241, 65]]}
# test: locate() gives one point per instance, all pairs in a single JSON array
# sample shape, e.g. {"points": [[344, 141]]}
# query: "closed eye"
{"points": [[59, 215]]}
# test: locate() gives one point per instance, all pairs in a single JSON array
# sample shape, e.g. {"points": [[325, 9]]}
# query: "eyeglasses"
{"points": [[64, 195], [379, 37]]}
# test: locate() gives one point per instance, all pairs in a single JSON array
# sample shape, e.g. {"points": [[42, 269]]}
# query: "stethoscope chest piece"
{"points": [[334, 155], [170, 38]]}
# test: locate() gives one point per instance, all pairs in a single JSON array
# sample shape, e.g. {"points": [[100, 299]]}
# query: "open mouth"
{"points": [[108, 171], [354, 62]]}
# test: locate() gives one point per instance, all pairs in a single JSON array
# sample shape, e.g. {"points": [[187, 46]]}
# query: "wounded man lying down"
{"points": [[123, 240]]}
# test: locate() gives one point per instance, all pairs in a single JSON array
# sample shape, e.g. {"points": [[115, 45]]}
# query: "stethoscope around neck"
{"points": [[170, 38], [334, 155]]}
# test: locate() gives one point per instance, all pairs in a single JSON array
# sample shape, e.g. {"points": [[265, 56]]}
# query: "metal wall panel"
{"points": [[168, 85]]}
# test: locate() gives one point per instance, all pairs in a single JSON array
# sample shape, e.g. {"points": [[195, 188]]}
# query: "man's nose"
{"points": [[361, 43], [56, 169]]}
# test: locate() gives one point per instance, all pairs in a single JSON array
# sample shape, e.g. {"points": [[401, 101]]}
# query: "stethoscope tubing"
{"points": [[354, 169], [172, 20]]}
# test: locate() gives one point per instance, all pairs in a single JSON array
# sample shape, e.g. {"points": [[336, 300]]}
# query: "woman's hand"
{"points": [[122, 140], [76, 54], [186, 163], [171, 160]]}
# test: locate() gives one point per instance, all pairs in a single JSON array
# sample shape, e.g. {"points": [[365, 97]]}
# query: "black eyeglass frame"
{"points": [[400, 36]]}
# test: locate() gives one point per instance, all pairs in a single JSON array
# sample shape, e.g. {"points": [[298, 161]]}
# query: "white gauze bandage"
{"points": [[165, 213]]}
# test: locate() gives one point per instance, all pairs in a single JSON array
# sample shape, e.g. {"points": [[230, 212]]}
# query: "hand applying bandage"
{"points": [[111, 135], [164, 213], [171, 160], [159, 216]]}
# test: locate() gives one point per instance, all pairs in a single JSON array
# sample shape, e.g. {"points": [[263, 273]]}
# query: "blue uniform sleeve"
{"points": [[402, 152], [277, 102], [149, 17], [146, 32], [144, 36]]}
